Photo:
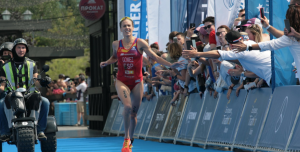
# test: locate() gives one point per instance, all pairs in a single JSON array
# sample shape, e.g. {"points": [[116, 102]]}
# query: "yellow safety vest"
{"points": [[8, 69]]}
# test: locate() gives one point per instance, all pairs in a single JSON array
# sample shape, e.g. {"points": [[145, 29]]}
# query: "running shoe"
{"points": [[126, 146]]}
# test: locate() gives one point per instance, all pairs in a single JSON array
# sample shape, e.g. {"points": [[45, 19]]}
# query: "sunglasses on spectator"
{"points": [[243, 15], [218, 33], [207, 27]]}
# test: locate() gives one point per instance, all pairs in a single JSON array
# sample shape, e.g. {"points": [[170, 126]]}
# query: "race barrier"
{"points": [[111, 116], [190, 118], [160, 116], [148, 118], [255, 120], [140, 117], [170, 129]]}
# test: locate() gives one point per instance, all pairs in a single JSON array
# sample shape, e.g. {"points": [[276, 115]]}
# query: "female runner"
{"points": [[129, 83]]}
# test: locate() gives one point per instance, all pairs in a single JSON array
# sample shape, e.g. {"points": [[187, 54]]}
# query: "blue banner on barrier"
{"points": [[149, 113], [174, 119], [253, 116], [111, 115], [282, 113], [118, 120], [137, 11], [160, 116], [190, 118], [226, 118], [206, 117], [141, 116]]}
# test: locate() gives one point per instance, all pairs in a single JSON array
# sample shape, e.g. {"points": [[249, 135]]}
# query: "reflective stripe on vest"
{"points": [[10, 75]]}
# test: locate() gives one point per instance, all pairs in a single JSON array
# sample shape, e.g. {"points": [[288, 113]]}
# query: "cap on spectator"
{"points": [[233, 37], [243, 23], [67, 79], [201, 29], [253, 21], [197, 29], [235, 80], [245, 36]]}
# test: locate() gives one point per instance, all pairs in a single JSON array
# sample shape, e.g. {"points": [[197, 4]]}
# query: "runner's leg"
{"points": [[124, 94], [136, 99]]}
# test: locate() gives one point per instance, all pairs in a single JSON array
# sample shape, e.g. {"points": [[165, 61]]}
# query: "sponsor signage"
{"points": [[92, 9]]}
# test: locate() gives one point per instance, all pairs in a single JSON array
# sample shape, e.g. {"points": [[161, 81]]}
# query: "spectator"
{"points": [[155, 45], [242, 14], [180, 39], [57, 90], [258, 63], [209, 23], [171, 36], [80, 89]]}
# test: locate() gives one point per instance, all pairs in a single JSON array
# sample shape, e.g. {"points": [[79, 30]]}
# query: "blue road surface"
{"points": [[111, 144]]}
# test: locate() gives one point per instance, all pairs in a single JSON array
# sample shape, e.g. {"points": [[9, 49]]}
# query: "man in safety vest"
{"points": [[19, 71]]}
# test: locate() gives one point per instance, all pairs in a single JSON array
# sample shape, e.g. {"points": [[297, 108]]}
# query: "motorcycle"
{"points": [[24, 121]]}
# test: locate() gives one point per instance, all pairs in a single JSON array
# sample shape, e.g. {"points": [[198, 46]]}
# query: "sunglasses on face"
{"points": [[243, 15], [218, 33], [207, 27]]}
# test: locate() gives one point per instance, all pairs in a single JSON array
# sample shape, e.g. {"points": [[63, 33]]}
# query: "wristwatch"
{"points": [[230, 88], [250, 47], [186, 87]]}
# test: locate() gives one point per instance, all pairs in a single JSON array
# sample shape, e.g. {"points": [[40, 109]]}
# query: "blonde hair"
{"points": [[175, 51], [238, 19], [256, 30]]}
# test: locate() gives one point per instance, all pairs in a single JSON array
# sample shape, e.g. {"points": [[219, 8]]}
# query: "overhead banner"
{"points": [[283, 58], [159, 22], [281, 117], [253, 8], [210, 7], [226, 11], [178, 15], [196, 11], [137, 11]]}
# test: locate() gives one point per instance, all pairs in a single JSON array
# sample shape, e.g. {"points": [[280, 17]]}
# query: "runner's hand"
{"points": [[103, 64]]}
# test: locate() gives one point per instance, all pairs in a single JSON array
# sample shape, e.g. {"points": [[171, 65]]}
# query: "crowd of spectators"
{"points": [[213, 59]]}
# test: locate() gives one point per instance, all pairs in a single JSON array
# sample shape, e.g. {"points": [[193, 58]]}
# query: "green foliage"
{"points": [[69, 67]]}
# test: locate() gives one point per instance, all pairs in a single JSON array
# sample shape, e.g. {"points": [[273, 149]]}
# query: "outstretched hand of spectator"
{"points": [[189, 53], [239, 47], [177, 64]]}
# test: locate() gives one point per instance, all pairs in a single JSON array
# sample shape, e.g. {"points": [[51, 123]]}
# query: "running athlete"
{"points": [[129, 83]]}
